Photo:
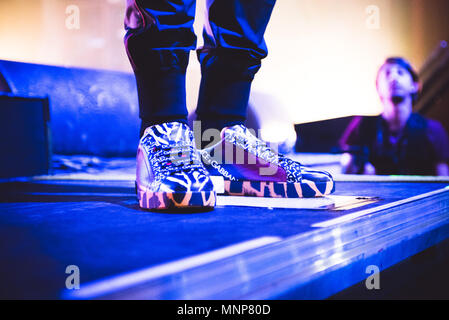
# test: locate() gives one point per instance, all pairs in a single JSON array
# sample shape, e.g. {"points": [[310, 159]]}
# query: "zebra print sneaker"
{"points": [[169, 172], [251, 168]]}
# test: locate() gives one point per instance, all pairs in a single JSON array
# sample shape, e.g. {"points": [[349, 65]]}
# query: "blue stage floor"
{"points": [[47, 225]]}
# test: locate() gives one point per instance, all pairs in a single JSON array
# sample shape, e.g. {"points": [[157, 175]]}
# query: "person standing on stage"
{"points": [[159, 38], [397, 142]]}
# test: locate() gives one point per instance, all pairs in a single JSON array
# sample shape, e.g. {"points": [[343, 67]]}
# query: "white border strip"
{"points": [[392, 178], [289, 203], [113, 176], [112, 284], [352, 216], [78, 194]]}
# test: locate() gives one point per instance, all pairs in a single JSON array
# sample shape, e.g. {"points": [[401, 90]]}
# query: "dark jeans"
{"points": [[158, 40]]}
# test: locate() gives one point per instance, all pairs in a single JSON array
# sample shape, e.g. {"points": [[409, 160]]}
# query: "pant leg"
{"points": [[233, 49], [158, 42]]}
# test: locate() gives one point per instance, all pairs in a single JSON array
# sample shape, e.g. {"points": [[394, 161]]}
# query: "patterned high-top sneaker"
{"points": [[170, 173], [250, 168]]}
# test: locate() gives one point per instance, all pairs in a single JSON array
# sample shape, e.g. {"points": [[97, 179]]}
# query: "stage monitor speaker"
{"points": [[93, 112], [24, 143], [320, 136], [4, 86]]}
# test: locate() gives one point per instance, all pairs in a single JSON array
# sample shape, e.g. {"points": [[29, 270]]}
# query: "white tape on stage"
{"points": [[379, 178], [330, 202], [291, 203], [358, 214]]}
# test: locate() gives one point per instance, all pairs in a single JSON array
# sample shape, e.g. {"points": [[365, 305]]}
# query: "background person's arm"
{"points": [[440, 141], [349, 166], [442, 169]]}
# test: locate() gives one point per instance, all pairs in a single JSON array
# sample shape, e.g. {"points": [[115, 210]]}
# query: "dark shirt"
{"points": [[415, 151]]}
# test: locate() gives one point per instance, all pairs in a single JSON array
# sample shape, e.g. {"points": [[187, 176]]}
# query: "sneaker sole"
{"points": [[171, 200], [268, 189]]}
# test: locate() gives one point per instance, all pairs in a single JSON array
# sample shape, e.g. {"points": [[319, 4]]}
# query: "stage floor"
{"points": [[231, 252]]}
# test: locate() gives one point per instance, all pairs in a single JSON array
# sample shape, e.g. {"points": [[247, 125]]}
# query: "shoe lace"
{"points": [[169, 159], [261, 149]]}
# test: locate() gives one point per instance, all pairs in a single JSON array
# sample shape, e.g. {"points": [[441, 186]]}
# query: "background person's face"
{"points": [[395, 81]]}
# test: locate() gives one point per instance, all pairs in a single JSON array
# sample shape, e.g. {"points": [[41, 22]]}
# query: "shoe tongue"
{"points": [[170, 133], [241, 131], [237, 129], [249, 138]]}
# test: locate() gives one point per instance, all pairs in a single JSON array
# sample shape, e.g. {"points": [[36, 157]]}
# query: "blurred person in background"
{"points": [[399, 141]]}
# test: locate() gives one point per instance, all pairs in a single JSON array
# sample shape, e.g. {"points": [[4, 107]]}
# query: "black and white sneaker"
{"points": [[169, 172], [250, 167]]}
